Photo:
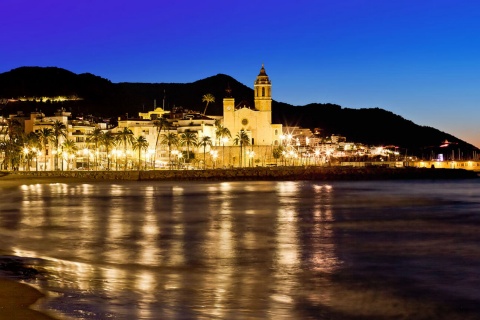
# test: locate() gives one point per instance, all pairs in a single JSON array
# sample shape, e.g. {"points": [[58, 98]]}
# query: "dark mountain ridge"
{"points": [[101, 97]]}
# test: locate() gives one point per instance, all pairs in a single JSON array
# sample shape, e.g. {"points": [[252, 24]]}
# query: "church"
{"points": [[257, 121]]}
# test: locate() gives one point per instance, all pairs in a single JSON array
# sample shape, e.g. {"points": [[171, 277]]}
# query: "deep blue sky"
{"points": [[419, 59]]}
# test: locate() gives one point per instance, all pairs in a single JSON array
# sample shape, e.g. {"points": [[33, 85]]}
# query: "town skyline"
{"points": [[417, 60]]}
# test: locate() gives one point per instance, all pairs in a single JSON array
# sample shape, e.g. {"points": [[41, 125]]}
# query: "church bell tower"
{"points": [[263, 92]]}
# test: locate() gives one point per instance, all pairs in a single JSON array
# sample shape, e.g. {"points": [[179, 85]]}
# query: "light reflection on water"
{"points": [[266, 250]]}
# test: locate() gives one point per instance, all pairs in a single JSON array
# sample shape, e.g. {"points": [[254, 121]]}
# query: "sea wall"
{"points": [[263, 173]]}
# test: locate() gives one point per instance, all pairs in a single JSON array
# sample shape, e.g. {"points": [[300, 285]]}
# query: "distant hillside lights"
{"points": [[44, 99]]}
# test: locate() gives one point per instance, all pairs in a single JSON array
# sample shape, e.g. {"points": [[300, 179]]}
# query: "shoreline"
{"points": [[17, 300]]}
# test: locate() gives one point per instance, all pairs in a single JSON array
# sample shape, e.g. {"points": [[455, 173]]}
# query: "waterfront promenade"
{"points": [[246, 174]]}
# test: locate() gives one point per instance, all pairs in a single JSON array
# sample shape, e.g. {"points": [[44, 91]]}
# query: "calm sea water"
{"points": [[250, 250]]}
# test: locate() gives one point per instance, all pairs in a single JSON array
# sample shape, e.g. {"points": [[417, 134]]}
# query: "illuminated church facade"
{"points": [[257, 121]]}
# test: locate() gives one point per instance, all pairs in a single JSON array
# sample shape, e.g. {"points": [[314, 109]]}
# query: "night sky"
{"points": [[418, 59]]}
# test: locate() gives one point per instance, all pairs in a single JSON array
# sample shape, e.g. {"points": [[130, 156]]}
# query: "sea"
{"points": [[248, 250]]}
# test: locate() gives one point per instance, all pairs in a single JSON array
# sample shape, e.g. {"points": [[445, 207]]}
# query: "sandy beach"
{"points": [[12, 180], [16, 299]]}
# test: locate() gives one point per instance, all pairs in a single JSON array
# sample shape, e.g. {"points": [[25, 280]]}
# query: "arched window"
{"points": [[263, 91]]}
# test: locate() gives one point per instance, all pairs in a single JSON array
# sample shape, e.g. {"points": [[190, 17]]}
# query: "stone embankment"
{"points": [[263, 173]]}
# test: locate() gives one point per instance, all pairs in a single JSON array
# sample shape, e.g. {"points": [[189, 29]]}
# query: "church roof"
{"points": [[243, 104], [262, 77], [262, 71]]}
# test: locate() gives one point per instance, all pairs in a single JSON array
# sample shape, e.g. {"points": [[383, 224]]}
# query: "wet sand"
{"points": [[12, 180], [16, 299]]}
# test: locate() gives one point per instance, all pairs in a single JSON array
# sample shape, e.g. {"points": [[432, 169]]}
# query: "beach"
{"points": [[12, 180], [17, 298], [16, 301]]}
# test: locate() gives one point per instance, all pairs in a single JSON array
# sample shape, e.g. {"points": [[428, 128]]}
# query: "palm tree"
{"points": [[208, 98], [241, 139], [188, 139], [140, 144], [222, 134], [204, 142], [12, 152], [95, 137], [159, 124], [14, 128], [45, 135], [108, 140], [59, 129], [12, 144], [125, 137], [70, 148], [170, 139], [31, 145]]}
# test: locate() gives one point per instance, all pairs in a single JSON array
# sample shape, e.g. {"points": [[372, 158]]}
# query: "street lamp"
{"points": [[150, 153], [115, 154], [25, 155], [70, 157], [251, 154], [291, 154], [55, 164], [214, 154], [180, 157], [86, 153]]}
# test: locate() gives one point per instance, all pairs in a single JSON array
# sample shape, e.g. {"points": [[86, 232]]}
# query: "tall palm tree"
{"points": [[108, 140], [170, 139], [12, 152], [188, 139], [140, 144], [70, 148], [222, 133], [14, 128], [159, 124], [12, 144], [204, 142], [208, 98], [31, 145], [45, 135], [125, 137], [95, 138], [242, 140], [59, 130]]}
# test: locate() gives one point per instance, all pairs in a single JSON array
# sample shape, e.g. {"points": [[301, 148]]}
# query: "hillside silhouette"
{"points": [[102, 98]]}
